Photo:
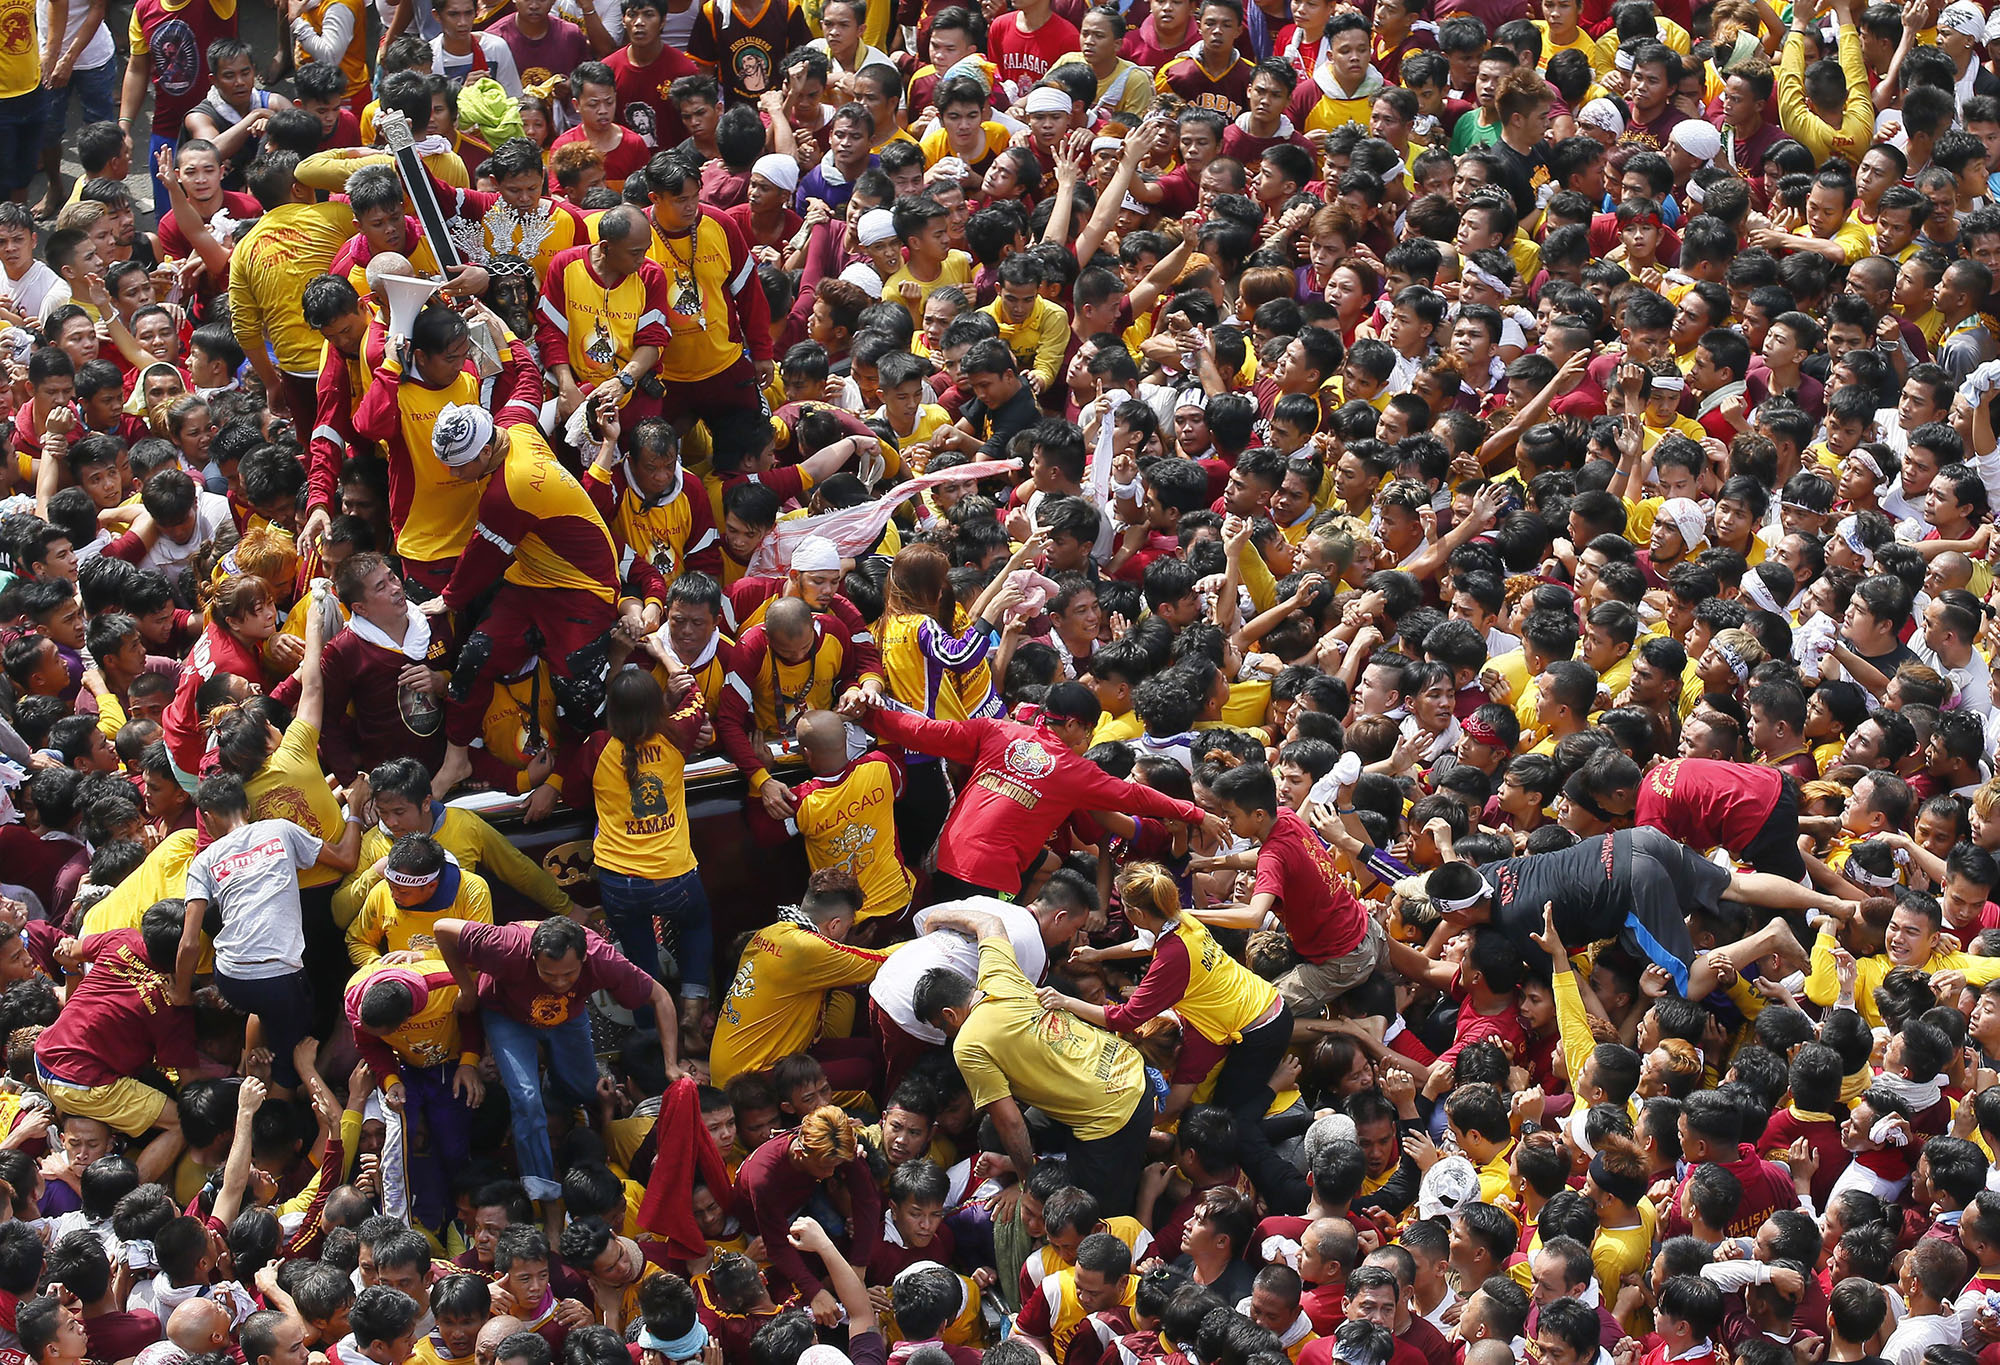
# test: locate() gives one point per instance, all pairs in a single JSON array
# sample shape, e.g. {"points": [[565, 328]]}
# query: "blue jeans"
{"points": [[21, 118], [634, 905], [572, 1069], [96, 87], [162, 207]]}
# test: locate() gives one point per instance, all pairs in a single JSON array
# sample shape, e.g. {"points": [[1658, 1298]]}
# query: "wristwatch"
{"points": [[626, 381]]}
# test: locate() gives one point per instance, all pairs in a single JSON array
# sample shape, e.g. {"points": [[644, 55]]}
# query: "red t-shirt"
{"points": [[643, 105], [1024, 57], [1314, 900], [1702, 802], [242, 208], [628, 157]]}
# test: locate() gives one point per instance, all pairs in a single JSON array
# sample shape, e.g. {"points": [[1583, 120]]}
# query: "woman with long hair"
{"points": [[1233, 1022], [645, 858], [935, 653]]}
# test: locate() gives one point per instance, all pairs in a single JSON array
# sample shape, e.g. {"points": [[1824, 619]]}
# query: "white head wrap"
{"points": [[1688, 519], [1962, 16], [1446, 1185], [1697, 137], [781, 171], [815, 554], [1602, 113], [876, 226], [462, 433], [864, 278], [1046, 99]]}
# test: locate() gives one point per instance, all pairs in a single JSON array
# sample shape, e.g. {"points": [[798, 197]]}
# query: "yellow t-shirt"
{"points": [[1618, 1252], [1084, 1078], [642, 828], [956, 270], [429, 1037], [20, 51], [286, 250], [1583, 43], [292, 786], [774, 1004], [848, 822], [937, 144], [385, 927]]}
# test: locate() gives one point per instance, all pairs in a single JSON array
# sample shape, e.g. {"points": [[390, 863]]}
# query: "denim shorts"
{"points": [[96, 87]]}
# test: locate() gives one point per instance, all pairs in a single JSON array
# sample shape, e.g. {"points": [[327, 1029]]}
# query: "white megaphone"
{"points": [[406, 296]]}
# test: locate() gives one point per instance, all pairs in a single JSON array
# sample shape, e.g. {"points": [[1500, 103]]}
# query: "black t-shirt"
{"points": [[1636, 886], [1887, 664], [1234, 1284], [998, 426], [1518, 173]]}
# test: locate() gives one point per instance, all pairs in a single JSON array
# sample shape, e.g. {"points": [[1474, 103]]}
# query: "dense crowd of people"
{"points": [[1252, 683]]}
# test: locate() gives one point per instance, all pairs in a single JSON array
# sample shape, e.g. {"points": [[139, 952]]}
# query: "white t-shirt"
{"points": [[32, 289], [1974, 681], [251, 876], [895, 985], [211, 514], [96, 52]]}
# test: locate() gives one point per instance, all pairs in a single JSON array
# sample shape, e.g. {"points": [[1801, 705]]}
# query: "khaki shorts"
{"points": [[128, 1105], [1308, 986]]}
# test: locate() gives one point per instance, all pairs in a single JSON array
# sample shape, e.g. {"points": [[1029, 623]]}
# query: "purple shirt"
{"points": [[510, 985], [561, 52]]}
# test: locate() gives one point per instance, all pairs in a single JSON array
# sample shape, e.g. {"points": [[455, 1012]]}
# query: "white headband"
{"points": [[1046, 99], [1485, 277], [1753, 585], [408, 878], [1105, 144], [1453, 906], [1669, 383]]}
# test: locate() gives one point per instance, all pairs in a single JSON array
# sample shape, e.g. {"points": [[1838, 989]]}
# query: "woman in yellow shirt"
{"points": [[645, 860], [1229, 1014]]}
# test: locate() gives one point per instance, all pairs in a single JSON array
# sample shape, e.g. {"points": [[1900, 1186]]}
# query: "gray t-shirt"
{"points": [[251, 876]]}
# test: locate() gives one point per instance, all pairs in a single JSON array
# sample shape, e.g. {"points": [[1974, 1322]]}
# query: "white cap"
{"points": [[461, 433], [815, 554], [1601, 113], [876, 226], [781, 171], [1697, 137]]}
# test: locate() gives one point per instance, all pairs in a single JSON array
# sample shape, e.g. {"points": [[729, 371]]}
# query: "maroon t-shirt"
{"points": [[1315, 902], [643, 105], [121, 1335], [510, 985]]}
